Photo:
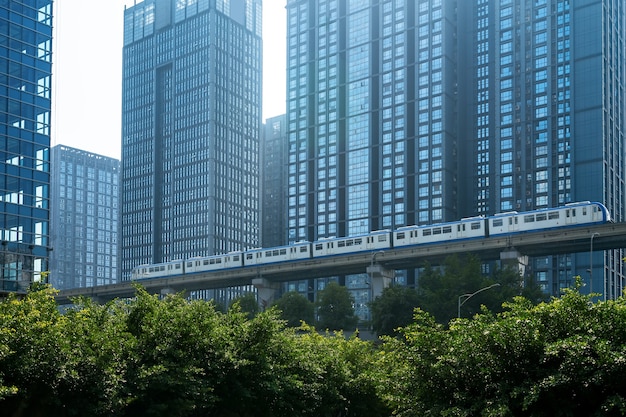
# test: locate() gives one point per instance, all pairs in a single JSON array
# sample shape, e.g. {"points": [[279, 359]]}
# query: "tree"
{"points": [[248, 304], [562, 358], [393, 309], [335, 309], [439, 289], [295, 308]]}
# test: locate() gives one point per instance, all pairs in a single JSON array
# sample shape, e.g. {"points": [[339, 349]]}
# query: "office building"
{"points": [[84, 208], [274, 150], [25, 75], [544, 119], [191, 124], [406, 112]]}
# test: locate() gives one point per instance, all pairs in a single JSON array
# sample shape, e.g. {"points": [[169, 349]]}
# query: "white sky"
{"points": [[87, 71]]}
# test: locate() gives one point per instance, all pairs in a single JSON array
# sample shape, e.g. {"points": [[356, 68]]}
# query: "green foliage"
{"points": [[335, 309], [248, 304], [562, 358], [393, 309], [295, 308], [439, 288], [153, 357]]}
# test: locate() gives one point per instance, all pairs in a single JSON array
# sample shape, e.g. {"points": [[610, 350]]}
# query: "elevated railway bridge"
{"points": [[380, 265]]}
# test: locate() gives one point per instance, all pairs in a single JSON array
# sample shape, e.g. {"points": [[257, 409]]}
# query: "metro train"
{"points": [[570, 215]]}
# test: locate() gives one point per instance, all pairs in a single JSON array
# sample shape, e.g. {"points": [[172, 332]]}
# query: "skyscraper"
{"points": [[408, 112], [544, 120], [84, 202], [25, 74], [190, 129]]}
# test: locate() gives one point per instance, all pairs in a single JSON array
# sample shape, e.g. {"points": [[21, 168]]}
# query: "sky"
{"points": [[87, 71]]}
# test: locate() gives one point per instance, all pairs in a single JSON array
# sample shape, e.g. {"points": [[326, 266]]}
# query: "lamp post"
{"points": [[591, 262], [466, 297]]}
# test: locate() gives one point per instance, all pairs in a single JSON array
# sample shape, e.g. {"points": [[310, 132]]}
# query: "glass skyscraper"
{"points": [[406, 112], [544, 123], [84, 202], [25, 78], [190, 129]]}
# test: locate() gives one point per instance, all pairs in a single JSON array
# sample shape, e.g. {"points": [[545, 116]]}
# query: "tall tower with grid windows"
{"points": [[25, 75], [371, 112], [191, 124], [84, 208], [414, 112], [544, 122]]}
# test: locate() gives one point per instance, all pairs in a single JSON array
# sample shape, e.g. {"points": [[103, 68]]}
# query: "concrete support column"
{"points": [[266, 290], [166, 291], [513, 258], [380, 278]]}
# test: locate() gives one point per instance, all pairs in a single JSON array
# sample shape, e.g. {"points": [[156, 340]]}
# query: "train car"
{"points": [[468, 228], [214, 263], [299, 250], [573, 214], [377, 240], [164, 269]]}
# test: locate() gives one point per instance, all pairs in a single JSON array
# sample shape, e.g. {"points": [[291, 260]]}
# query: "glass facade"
{"points": [[25, 81], [416, 112], [84, 219], [546, 91], [366, 110], [191, 124]]}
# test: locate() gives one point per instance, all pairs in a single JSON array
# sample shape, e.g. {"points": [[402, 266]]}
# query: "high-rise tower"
{"points": [[190, 129], [406, 112], [84, 200], [543, 123], [25, 75]]}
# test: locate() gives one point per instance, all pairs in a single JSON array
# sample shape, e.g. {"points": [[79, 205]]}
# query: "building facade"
{"points": [[190, 129], [274, 150], [405, 112], [544, 119], [84, 208], [25, 81]]}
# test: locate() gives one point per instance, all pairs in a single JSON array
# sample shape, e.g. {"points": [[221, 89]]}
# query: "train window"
{"points": [[400, 235], [541, 217], [426, 232], [283, 251], [304, 248], [249, 256], [529, 218], [553, 215], [177, 266], [573, 212], [189, 264], [447, 229], [382, 238], [476, 225], [319, 246], [437, 231], [341, 243], [236, 258], [358, 241], [495, 223], [584, 211]]}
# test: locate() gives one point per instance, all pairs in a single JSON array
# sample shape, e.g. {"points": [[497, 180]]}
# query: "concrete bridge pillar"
{"points": [[380, 278], [513, 258], [266, 290]]}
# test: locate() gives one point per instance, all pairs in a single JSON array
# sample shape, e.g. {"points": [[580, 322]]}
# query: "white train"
{"points": [[570, 215]]}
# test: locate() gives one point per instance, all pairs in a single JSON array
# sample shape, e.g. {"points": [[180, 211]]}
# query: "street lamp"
{"points": [[466, 297]]}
